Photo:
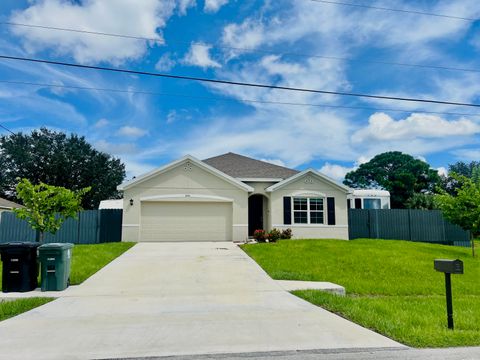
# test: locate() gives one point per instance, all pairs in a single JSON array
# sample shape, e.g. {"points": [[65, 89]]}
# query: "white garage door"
{"points": [[186, 221]]}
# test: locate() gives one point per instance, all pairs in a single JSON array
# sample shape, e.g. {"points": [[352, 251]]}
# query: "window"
{"points": [[371, 203], [308, 211]]}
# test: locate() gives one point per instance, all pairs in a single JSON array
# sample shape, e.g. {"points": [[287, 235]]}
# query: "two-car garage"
{"points": [[185, 221]]}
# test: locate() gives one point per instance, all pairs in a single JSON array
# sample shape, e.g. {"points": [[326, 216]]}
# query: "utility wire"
{"points": [[5, 128], [238, 83], [396, 10], [244, 49], [130, 91]]}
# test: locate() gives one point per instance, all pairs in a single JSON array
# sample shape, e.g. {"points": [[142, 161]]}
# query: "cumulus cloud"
{"points": [[274, 161], [183, 6], [101, 123], [214, 5], [199, 55], [442, 171], [132, 131], [165, 62], [335, 171], [383, 127], [115, 148], [143, 19]]}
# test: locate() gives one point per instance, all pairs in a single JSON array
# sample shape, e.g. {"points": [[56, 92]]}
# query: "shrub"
{"points": [[286, 234], [260, 235], [274, 235]]}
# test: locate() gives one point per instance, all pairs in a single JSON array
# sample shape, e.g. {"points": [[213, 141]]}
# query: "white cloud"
{"points": [[199, 55], [214, 5], [183, 5], [382, 127], [335, 171], [472, 154], [143, 19], [442, 171], [165, 62], [101, 123], [132, 131], [115, 148]]}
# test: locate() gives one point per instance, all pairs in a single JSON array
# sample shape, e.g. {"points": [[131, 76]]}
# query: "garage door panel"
{"points": [[186, 221]]}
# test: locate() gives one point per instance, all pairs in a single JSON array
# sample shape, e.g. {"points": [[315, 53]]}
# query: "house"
{"points": [[228, 197], [7, 205], [368, 199]]}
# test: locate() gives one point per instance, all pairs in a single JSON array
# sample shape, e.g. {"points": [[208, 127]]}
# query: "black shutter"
{"points": [[287, 210], [331, 211]]}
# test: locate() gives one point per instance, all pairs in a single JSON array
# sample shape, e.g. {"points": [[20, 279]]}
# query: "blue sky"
{"points": [[270, 39]]}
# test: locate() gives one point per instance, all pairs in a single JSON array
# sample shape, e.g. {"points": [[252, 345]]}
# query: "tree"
{"points": [[421, 201], [59, 160], [401, 174], [470, 170], [46, 206], [462, 208]]}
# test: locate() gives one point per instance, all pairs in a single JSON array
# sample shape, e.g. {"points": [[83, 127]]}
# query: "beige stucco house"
{"points": [[228, 197]]}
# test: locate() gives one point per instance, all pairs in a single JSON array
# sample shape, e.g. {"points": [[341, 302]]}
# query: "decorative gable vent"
{"points": [[188, 166], [308, 180]]}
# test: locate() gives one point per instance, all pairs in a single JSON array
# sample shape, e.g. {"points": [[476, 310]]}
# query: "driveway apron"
{"points": [[178, 299]]}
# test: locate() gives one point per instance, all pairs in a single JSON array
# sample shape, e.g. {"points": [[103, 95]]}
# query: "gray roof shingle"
{"points": [[4, 203], [240, 166]]}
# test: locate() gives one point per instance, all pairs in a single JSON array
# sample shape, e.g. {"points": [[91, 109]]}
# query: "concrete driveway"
{"points": [[177, 299]]}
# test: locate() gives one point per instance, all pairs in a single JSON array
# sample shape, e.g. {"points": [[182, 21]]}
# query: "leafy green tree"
{"points": [[462, 208], [421, 201], [401, 174], [46, 206], [470, 170], [59, 160]]}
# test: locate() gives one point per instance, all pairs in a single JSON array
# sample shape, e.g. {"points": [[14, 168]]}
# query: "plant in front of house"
{"points": [[274, 235], [260, 235], [286, 234], [46, 206]]}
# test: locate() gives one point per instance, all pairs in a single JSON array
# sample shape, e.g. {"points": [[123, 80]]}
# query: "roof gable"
{"points": [[7, 204], [305, 172], [201, 164], [243, 167]]}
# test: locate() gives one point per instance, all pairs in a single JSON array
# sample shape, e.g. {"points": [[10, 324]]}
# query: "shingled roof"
{"points": [[243, 167], [7, 204]]}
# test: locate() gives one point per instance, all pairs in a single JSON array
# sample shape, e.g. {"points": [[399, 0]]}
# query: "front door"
{"points": [[255, 213]]}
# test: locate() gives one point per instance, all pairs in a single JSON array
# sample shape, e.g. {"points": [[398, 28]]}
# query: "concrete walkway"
{"points": [[177, 299]]}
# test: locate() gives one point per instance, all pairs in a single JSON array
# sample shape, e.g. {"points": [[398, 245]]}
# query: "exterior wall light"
{"points": [[131, 202]]}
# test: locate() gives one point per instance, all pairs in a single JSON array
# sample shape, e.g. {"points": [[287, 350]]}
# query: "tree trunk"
{"points": [[39, 236]]}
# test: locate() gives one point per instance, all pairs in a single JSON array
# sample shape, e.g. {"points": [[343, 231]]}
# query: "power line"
{"points": [[5, 128], [396, 10], [130, 91], [238, 83], [244, 49]]}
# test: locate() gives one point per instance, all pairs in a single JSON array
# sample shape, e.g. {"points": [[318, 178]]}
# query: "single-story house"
{"points": [[111, 204], [368, 199], [227, 198], [7, 205]]}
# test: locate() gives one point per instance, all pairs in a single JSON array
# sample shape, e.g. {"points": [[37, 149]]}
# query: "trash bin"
{"points": [[55, 260], [20, 266]]}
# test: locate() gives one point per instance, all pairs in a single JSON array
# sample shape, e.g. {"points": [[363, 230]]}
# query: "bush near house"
{"points": [[273, 235], [391, 285]]}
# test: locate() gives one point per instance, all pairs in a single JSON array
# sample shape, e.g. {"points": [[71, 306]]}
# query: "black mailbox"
{"points": [[449, 266]]}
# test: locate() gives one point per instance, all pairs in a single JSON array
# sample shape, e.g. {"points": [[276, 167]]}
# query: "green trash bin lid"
{"points": [[56, 246]]}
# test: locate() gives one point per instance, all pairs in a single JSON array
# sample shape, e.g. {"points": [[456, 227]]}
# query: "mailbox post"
{"points": [[449, 267]]}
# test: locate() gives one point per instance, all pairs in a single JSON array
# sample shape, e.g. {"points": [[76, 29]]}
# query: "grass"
{"points": [[391, 285], [86, 261], [12, 308]]}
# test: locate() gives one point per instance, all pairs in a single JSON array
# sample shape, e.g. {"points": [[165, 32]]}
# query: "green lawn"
{"points": [[391, 285], [86, 261]]}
